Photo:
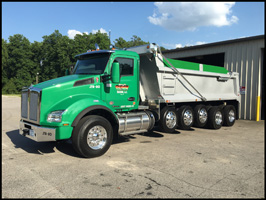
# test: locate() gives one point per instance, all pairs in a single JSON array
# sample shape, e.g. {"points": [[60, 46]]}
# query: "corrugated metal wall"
{"points": [[244, 57]]}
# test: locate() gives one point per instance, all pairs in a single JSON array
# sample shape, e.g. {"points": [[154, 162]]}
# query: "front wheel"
{"points": [[92, 137]]}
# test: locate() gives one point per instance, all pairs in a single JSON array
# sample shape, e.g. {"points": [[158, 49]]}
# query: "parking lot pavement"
{"points": [[199, 163]]}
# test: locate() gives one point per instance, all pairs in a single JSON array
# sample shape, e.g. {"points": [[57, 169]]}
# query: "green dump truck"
{"points": [[118, 92]]}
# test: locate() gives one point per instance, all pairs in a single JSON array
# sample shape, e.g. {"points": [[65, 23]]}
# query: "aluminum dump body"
{"points": [[160, 83]]}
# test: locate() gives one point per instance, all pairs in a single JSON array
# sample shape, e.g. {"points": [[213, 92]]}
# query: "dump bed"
{"points": [[193, 82]]}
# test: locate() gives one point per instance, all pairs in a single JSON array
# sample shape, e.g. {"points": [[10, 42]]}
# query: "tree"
{"points": [[121, 43], [136, 41], [163, 49], [10, 88], [21, 60], [20, 64], [64, 51], [81, 44], [37, 57], [4, 63], [50, 56], [57, 55], [101, 39]]}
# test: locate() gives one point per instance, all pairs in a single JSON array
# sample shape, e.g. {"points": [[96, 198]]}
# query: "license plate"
{"points": [[32, 134]]}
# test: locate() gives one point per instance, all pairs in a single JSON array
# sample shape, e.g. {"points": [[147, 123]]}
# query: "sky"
{"points": [[168, 24]]}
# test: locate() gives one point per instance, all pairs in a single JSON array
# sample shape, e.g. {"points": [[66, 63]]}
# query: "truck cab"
{"points": [[102, 83]]}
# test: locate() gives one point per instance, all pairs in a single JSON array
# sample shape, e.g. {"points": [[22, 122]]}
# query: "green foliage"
{"points": [[10, 87], [135, 41], [4, 62], [163, 49], [22, 60], [121, 43], [19, 65]]}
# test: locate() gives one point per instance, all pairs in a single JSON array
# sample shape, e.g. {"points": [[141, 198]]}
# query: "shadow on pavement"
{"points": [[65, 146], [31, 146]]}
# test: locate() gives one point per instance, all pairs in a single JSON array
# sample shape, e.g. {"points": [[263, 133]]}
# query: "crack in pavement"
{"points": [[154, 181], [186, 181]]}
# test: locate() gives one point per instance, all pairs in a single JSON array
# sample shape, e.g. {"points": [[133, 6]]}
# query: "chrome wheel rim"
{"points": [[231, 116], [97, 137], [218, 118], [188, 117], [170, 119], [203, 115]]}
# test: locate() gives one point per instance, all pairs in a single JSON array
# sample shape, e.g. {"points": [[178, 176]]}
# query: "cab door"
{"points": [[124, 96]]}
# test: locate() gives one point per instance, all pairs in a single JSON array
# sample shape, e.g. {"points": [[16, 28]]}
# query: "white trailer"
{"points": [[186, 93]]}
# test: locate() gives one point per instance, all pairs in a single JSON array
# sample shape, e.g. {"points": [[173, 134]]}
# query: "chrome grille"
{"points": [[30, 105], [24, 104], [33, 105]]}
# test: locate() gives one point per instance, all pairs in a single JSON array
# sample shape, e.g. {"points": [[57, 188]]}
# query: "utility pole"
{"points": [[37, 77], [110, 37]]}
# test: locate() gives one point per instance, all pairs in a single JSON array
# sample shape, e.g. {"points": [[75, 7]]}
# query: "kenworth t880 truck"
{"points": [[118, 92]]}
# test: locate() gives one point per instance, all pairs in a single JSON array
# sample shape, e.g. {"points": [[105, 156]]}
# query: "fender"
{"points": [[76, 107], [91, 108]]}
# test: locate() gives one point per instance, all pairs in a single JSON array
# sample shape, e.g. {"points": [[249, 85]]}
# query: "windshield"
{"points": [[91, 64]]}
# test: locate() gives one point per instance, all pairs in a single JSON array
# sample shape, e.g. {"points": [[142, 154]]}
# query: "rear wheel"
{"points": [[168, 119], [215, 119], [200, 116], [185, 117], [229, 112], [92, 136]]}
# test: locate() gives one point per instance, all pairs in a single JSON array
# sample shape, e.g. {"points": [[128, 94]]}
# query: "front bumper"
{"points": [[37, 133]]}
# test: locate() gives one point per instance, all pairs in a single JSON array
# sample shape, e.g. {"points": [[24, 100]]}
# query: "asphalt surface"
{"points": [[199, 163]]}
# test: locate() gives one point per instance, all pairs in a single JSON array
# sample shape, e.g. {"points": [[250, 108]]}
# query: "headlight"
{"points": [[55, 116]]}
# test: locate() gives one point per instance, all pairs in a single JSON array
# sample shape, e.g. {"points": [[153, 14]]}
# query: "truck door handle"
{"points": [[131, 99]]}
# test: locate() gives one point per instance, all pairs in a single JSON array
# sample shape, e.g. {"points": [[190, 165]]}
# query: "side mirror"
{"points": [[115, 72]]}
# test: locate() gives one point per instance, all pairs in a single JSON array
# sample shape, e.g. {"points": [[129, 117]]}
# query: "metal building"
{"points": [[245, 56]]}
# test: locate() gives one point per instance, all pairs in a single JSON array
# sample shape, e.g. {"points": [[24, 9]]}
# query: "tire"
{"points": [[215, 119], [92, 137], [185, 117], [229, 112], [168, 120], [200, 116]]}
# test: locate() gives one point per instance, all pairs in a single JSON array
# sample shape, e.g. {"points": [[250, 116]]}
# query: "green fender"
{"points": [[76, 107], [81, 107], [91, 108]]}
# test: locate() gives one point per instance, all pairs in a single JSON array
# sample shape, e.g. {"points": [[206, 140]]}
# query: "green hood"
{"points": [[71, 79], [61, 93]]}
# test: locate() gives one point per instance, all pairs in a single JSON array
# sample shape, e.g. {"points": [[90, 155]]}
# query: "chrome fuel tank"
{"points": [[131, 123]]}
